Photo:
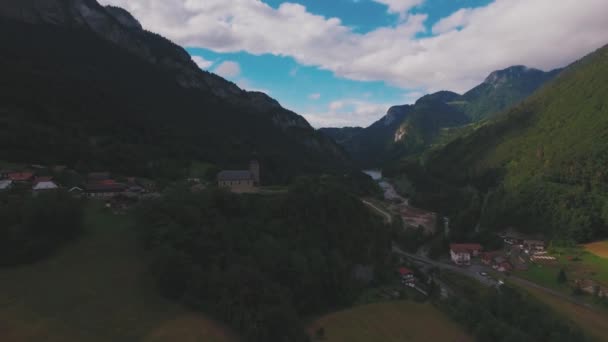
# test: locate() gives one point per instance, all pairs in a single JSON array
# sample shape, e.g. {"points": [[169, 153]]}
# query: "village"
{"points": [[118, 191], [519, 252], [528, 259]]}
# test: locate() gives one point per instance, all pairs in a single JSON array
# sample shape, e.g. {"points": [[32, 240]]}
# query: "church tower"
{"points": [[254, 168]]}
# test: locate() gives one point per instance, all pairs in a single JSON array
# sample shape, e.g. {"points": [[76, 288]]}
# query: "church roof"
{"points": [[235, 175]]}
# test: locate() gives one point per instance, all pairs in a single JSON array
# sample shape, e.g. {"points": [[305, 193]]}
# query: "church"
{"points": [[241, 181]]}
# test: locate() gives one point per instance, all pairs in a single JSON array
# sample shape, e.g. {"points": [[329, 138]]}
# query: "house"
{"points": [[407, 275], [6, 184], [504, 266], [4, 173], [44, 183], [487, 258], [104, 189], [240, 181], [534, 245], [76, 191], [20, 177], [592, 287], [461, 253], [94, 177], [134, 187]]}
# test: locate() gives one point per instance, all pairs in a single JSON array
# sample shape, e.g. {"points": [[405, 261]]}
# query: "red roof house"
{"points": [[20, 176], [407, 275], [404, 271], [472, 248], [461, 252]]}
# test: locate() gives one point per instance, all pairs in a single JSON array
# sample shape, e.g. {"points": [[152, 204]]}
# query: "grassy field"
{"points": [[599, 248], [402, 321], [593, 322], [579, 263], [94, 290]]}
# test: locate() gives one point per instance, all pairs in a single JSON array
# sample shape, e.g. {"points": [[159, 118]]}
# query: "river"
{"points": [[390, 194]]}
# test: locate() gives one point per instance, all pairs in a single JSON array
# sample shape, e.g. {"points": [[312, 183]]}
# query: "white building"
{"points": [[461, 253], [45, 185], [5, 184]]}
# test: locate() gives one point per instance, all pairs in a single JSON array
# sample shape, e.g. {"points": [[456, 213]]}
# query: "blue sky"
{"points": [[309, 89], [345, 62]]}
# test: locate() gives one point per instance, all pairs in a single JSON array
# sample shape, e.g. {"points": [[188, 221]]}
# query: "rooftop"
{"points": [[405, 271], [20, 176], [235, 175], [4, 184], [465, 247]]}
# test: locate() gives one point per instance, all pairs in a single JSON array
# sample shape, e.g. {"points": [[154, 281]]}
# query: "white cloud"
{"points": [[228, 69], [314, 96], [400, 6], [347, 112], [538, 33], [202, 63], [458, 19]]}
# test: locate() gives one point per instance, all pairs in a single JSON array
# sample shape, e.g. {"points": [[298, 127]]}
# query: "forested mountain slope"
{"points": [[542, 166], [502, 89], [426, 122], [402, 131], [85, 85]]}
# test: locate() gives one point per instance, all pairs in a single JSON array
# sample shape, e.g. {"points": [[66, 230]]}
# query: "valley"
{"points": [[152, 190]]}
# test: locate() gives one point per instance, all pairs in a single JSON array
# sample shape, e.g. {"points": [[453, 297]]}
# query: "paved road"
{"points": [[387, 216], [473, 272]]}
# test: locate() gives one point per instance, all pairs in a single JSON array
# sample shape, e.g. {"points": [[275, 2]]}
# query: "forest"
{"points": [[261, 263], [35, 226], [538, 167], [505, 314]]}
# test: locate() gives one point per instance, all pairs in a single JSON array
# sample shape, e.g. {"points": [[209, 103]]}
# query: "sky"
{"points": [[345, 62]]}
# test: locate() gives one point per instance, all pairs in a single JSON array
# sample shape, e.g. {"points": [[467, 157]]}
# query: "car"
{"points": [[483, 274]]}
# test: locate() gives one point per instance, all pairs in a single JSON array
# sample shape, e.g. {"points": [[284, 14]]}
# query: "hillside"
{"points": [[97, 289], [86, 86], [542, 166], [405, 130], [436, 118], [503, 88], [341, 135], [389, 322]]}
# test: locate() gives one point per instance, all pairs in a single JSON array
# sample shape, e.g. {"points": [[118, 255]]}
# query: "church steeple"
{"points": [[254, 168]]}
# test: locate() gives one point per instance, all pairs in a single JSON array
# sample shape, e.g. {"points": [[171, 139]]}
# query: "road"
{"points": [[387, 216], [473, 272]]}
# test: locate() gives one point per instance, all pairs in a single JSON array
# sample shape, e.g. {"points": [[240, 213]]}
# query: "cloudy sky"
{"points": [[344, 62]]}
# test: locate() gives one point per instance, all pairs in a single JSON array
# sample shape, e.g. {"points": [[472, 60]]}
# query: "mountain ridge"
{"points": [[146, 82], [541, 165], [439, 111]]}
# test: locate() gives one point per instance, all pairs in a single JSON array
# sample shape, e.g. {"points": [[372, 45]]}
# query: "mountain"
{"points": [[85, 85], [403, 130], [396, 135], [503, 88], [341, 135], [542, 165]]}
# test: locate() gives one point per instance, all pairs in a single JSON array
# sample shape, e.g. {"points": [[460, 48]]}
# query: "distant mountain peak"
{"points": [[500, 77], [395, 114], [124, 17]]}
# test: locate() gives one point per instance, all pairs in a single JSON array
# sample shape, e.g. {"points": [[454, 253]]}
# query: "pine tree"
{"points": [[561, 277]]}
